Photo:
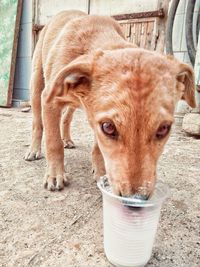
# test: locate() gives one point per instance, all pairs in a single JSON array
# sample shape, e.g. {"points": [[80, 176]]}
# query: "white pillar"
{"points": [[24, 51]]}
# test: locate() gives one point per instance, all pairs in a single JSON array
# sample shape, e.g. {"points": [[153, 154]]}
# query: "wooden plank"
{"points": [[142, 32], [139, 34], [143, 35], [10, 13], [154, 37]]}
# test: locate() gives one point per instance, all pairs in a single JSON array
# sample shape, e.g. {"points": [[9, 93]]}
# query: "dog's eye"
{"points": [[163, 130], [109, 129]]}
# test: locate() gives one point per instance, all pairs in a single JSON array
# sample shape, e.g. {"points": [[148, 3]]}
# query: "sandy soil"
{"points": [[41, 228]]}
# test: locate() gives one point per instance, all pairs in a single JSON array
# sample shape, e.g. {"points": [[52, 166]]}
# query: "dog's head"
{"points": [[130, 96]]}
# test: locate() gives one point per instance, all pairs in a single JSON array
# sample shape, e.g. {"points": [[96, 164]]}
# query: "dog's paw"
{"points": [[68, 144], [55, 183], [33, 155]]}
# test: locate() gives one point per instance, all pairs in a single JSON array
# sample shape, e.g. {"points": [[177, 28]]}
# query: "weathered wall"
{"points": [[45, 9], [114, 7], [48, 8]]}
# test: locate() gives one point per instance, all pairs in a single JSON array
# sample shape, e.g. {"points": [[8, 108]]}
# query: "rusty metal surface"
{"points": [[150, 14]]}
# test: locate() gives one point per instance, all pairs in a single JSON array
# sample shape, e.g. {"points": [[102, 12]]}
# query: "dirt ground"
{"points": [[41, 228]]}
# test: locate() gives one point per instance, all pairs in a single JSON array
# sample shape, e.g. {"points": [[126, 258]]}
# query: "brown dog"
{"points": [[129, 95]]}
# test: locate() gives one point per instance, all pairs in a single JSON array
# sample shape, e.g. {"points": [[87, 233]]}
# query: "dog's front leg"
{"points": [[55, 177]]}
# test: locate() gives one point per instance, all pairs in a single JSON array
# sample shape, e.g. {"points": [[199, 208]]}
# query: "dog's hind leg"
{"points": [[98, 166], [65, 127], [37, 85]]}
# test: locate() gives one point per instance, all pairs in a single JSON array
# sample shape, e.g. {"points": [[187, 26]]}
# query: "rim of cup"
{"points": [[133, 202]]}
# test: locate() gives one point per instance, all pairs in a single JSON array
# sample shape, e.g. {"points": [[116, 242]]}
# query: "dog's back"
{"points": [[73, 33], [50, 33], [55, 27]]}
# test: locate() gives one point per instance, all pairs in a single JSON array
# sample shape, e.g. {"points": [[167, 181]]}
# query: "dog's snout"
{"points": [[127, 189]]}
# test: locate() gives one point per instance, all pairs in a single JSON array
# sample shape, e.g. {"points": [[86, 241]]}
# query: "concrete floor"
{"points": [[41, 228]]}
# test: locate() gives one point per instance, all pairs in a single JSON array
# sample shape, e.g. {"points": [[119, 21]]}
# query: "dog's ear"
{"points": [[75, 76], [78, 77], [186, 77]]}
